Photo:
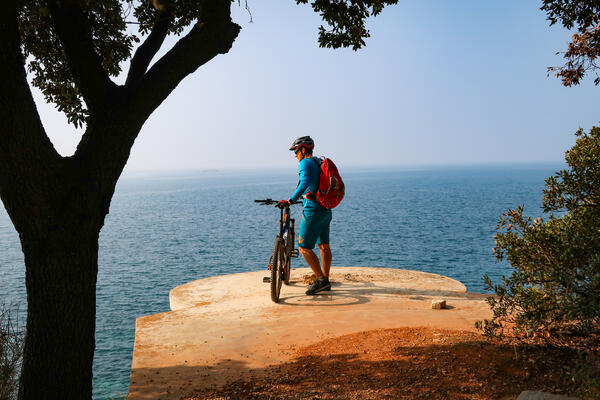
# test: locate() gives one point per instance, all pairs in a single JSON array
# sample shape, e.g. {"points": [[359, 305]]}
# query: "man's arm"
{"points": [[303, 184]]}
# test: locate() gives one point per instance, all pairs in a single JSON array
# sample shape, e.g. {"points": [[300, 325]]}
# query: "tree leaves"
{"points": [[48, 64], [110, 23], [346, 19], [555, 283], [584, 49]]}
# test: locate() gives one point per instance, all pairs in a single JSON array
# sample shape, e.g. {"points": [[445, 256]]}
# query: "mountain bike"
{"points": [[280, 262]]}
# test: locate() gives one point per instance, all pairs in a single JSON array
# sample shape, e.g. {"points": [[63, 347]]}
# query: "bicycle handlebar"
{"points": [[268, 202]]}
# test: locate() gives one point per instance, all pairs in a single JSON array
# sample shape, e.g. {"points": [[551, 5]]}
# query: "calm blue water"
{"points": [[164, 230]]}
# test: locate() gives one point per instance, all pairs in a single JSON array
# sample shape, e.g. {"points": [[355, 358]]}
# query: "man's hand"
{"points": [[283, 203]]}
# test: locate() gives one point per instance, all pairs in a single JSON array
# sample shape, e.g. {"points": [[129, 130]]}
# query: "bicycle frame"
{"points": [[285, 221], [285, 224]]}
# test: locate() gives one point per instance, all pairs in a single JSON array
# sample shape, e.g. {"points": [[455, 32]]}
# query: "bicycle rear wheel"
{"points": [[277, 269]]}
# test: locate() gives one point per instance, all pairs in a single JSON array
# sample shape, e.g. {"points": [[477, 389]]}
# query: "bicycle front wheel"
{"points": [[277, 269]]}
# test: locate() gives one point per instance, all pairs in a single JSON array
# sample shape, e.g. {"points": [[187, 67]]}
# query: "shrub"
{"points": [[11, 349], [555, 283]]}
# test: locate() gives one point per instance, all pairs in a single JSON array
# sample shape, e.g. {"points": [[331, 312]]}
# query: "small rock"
{"points": [[533, 395], [438, 304]]}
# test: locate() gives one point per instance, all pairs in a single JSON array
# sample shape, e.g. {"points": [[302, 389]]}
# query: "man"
{"points": [[314, 227]]}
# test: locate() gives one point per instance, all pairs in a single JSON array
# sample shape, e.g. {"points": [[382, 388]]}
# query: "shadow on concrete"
{"points": [[446, 366], [361, 293]]}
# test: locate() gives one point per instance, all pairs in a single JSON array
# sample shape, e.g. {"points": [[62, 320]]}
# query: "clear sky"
{"points": [[439, 82]]}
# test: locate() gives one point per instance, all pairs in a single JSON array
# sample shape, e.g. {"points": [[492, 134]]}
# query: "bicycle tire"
{"points": [[289, 245], [276, 269]]}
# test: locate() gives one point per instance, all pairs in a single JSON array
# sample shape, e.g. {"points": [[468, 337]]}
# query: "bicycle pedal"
{"points": [[266, 279], [295, 253]]}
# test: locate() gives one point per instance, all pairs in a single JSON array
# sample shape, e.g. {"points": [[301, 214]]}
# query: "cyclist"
{"points": [[314, 227]]}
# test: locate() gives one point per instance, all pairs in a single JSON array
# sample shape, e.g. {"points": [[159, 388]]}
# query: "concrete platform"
{"points": [[224, 328]]}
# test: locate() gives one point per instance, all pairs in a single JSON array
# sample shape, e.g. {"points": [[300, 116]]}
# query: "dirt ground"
{"points": [[407, 363]]}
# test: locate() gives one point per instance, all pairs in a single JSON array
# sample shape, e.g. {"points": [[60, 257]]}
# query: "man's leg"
{"points": [[323, 242], [322, 283], [325, 259], [312, 261], [310, 228]]}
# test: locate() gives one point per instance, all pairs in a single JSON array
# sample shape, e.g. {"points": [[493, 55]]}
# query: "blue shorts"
{"points": [[314, 228]]}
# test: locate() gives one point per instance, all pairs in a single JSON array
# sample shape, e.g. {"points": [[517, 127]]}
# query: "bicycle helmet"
{"points": [[304, 141]]}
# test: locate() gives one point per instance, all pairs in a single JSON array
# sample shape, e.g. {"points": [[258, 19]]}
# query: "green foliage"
{"points": [[572, 12], [111, 24], [347, 20], [586, 375], [107, 23], [47, 62], [555, 284], [11, 349]]}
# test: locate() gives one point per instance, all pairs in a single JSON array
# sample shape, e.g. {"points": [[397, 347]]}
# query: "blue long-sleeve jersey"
{"points": [[309, 171]]}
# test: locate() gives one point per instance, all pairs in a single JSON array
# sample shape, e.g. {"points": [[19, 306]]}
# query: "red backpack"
{"points": [[331, 187]]}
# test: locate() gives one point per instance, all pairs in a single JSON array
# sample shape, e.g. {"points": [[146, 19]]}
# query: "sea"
{"points": [[168, 228]]}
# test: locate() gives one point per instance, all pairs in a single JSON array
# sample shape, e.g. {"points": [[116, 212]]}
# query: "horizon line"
{"points": [[555, 163]]}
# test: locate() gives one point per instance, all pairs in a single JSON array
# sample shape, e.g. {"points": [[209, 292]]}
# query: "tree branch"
{"points": [[72, 28], [106, 145], [212, 35], [144, 54], [27, 157]]}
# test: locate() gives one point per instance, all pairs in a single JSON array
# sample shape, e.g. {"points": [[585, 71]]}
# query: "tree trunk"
{"points": [[59, 234], [58, 204], [61, 271]]}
